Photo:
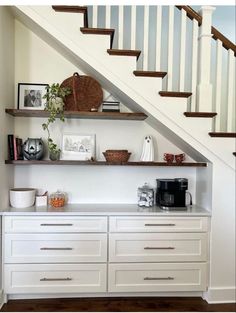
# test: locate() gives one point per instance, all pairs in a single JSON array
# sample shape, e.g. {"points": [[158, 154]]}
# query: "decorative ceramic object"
{"points": [[148, 150], [33, 149], [168, 157], [179, 158], [22, 197]]}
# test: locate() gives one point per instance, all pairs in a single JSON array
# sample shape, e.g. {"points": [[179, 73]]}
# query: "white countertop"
{"points": [[107, 209]]}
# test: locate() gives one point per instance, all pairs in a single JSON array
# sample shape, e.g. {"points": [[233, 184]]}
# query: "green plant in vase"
{"points": [[55, 97]]}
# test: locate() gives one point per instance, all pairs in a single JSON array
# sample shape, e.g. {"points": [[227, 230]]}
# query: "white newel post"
{"points": [[204, 88]]}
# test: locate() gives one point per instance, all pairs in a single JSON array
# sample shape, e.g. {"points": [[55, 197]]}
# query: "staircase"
{"points": [[190, 120]]}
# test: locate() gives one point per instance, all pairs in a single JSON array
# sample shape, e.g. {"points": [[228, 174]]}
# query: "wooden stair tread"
{"points": [[200, 114], [222, 134], [73, 9], [177, 94], [99, 31], [150, 74], [69, 8], [135, 53]]}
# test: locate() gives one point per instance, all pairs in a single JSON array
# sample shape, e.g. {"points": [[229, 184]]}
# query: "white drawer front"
{"points": [[54, 278], [55, 224], [167, 247], [158, 224], [46, 248], [157, 277]]}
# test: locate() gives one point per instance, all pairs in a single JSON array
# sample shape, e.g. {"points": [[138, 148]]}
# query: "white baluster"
{"points": [[145, 38], [95, 16], [158, 38], [108, 16], [194, 64], [133, 27], [170, 48], [182, 50], [121, 27], [230, 90], [218, 87], [204, 90]]}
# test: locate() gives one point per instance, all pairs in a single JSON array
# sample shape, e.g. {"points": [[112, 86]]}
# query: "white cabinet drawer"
{"points": [[154, 277], [55, 224], [52, 248], [158, 224], [166, 247], [54, 278]]}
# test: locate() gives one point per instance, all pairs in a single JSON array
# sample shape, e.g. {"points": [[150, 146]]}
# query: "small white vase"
{"points": [[22, 197]]}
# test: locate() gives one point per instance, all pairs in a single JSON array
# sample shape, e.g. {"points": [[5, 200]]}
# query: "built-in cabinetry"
{"points": [[109, 254]]}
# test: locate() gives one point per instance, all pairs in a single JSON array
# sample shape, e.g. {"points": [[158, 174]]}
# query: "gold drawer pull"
{"points": [[159, 225], [45, 248], [56, 279], [159, 248], [56, 224], [158, 278]]}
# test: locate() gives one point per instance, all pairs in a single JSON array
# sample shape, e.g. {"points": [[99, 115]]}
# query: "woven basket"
{"points": [[117, 155], [86, 93]]}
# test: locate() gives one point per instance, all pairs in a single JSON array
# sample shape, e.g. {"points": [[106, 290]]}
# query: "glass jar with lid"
{"points": [[145, 196], [57, 199]]}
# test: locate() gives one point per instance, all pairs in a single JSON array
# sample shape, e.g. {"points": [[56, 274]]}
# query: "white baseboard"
{"points": [[1, 299], [220, 295]]}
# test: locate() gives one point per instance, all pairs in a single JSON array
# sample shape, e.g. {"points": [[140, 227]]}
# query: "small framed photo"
{"points": [[30, 96], [78, 147]]}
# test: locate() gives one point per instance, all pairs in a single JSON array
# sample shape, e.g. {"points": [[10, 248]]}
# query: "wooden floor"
{"points": [[160, 304]]}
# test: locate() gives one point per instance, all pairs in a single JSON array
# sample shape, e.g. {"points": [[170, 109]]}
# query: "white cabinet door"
{"points": [[47, 248], [157, 224], [154, 277], [55, 224], [166, 247], [54, 278]]}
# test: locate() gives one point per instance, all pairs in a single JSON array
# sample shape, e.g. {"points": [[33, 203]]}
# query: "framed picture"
{"points": [[30, 96], [78, 146]]}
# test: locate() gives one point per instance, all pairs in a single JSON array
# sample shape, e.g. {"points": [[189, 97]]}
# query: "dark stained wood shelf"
{"points": [[175, 94], [200, 114], [134, 53], [222, 134], [80, 114], [70, 162], [150, 74]]}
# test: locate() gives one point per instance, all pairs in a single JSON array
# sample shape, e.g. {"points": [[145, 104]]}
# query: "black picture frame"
{"points": [[30, 96]]}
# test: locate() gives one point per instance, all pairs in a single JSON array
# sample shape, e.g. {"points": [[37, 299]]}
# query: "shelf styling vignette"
{"points": [[101, 163], [139, 116]]}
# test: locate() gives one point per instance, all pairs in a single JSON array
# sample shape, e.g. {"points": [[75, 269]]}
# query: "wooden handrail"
{"points": [[192, 14]]}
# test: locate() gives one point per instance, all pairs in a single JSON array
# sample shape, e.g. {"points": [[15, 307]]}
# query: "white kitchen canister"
{"points": [[22, 197]]}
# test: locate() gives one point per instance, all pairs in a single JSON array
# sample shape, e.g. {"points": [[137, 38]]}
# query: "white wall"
{"points": [[6, 97], [6, 100], [36, 62]]}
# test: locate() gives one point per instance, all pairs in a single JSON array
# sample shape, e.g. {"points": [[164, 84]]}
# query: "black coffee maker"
{"points": [[172, 193]]}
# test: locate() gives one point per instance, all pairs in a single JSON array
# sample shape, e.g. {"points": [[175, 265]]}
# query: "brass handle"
{"points": [[159, 224], [45, 248], [159, 248], [55, 279], [56, 224], [158, 278]]}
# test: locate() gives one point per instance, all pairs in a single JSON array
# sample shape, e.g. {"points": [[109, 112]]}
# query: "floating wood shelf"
{"points": [[80, 114], [68, 162]]}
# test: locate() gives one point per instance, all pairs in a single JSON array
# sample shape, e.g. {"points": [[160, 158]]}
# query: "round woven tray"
{"points": [[86, 93], [117, 155]]}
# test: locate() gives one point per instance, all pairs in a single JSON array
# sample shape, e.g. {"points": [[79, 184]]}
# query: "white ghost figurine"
{"points": [[148, 150]]}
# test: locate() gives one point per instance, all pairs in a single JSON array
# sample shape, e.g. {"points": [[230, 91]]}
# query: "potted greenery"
{"points": [[55, 97]]}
